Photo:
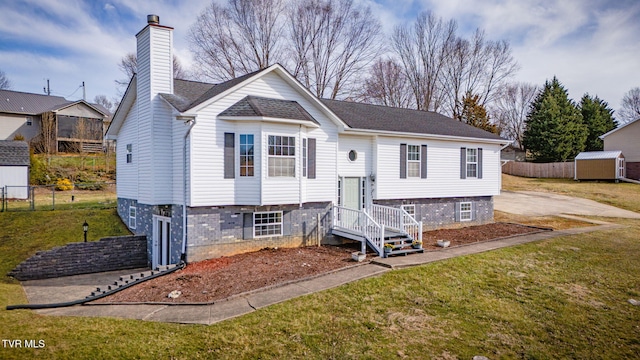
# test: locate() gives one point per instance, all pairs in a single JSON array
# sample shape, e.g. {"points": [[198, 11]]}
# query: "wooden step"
{"points": [[404, 252]]}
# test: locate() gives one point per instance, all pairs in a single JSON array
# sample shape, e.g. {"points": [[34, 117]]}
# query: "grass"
{"points": [[552, 222], [560, 298], [24, 233]]}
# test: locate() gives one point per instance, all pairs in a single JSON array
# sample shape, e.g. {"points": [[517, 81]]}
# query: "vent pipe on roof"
{"points": [[153, 19]]}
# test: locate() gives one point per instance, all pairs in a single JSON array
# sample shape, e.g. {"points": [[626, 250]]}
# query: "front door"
{"points": [[352, 197], [161, 241]]}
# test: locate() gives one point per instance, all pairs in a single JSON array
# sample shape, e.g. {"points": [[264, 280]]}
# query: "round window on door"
{"points": [[353, 155]]}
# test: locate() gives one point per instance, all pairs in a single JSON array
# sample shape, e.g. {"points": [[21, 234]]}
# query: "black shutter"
{"points": [[229, 155], [479, 163], [311, 158], [423, 161], [247, 226], [463, 163], [403, 161]]}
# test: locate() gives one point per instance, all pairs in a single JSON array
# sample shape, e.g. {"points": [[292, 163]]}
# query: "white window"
{"points": [[472, 163], [129, 153], [413, 160], [246, 155], [267, 224], [29, 121], [282, 156], [132, 217], [465, 211]]}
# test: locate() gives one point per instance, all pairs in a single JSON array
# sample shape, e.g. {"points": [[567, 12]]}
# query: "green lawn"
{"points": [[561, 298]]}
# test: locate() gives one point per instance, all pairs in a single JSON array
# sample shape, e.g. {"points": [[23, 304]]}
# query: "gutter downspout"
{"points": [[192, 122]]}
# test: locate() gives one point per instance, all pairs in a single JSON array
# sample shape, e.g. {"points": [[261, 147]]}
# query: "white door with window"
{"points": [[621, 170], [161, 241], [351, 193]]}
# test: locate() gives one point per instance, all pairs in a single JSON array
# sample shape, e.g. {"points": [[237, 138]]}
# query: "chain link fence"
{"points": [[49, 197]]}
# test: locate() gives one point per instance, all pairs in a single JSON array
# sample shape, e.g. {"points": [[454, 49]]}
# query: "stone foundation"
{"points": [[441, 213]]}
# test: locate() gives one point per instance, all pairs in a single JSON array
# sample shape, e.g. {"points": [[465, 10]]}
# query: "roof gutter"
{"points": [[427, 136]]}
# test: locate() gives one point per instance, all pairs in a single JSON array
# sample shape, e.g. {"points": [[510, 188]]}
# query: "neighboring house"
{"points": [[625, 139], [210, 170], [69, 126], [512, 153], [14, 169]]}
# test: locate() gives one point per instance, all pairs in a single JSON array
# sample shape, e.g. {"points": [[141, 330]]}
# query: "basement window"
{"points": [[132, 217], [267, 224]]}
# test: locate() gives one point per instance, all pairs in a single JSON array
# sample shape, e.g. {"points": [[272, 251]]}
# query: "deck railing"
{"points": [[361, 223], [397, 219]]}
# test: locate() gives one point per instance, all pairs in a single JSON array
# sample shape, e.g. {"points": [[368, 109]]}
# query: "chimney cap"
{"points": [[153, 19]]}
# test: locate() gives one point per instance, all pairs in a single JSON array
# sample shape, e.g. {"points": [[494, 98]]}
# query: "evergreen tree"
{"points": [[474, 114], [598, 118], [554, 127]]}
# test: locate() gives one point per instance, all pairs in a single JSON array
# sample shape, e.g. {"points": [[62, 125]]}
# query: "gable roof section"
{"points": [[619, 128], [27, 103], [256, 106], [186, 92], [14, 153], [383, 118]]}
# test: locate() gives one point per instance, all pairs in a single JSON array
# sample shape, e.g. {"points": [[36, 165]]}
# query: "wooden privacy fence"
{"points": [[564, 170]]}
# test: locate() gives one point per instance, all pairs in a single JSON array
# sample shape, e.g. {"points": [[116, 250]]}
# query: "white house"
{"points": [[625, 139], [207, 170]]}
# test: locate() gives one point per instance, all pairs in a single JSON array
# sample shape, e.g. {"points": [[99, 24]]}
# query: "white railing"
{"points": [[359, 222], [397, 219]]}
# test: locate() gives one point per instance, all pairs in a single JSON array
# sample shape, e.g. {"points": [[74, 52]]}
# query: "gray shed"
{"points": [[14, 169], [599, 165]]}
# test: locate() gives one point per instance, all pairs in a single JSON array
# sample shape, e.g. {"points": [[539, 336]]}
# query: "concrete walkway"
{"points": [[72, 287], [532, 203]]}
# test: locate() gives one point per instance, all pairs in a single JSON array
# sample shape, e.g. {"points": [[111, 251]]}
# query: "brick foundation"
{"points": [[633, 170]]}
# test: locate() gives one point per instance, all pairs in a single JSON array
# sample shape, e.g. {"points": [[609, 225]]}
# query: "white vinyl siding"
{"points": [[127, 184], [362, 146], [16, 178], [444, 171], [206, 151]]}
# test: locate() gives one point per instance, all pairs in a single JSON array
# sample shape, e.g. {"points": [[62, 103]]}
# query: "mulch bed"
{"points": [[216, 279]]}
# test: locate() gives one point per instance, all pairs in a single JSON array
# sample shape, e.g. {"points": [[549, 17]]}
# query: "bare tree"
{"points": [[45, 141], [423, 50], [332, 41], [5, 83], [129, 66], [630, 110], [476, 66], [105, 102], [387, 85], [511, 107], [244, 36]]}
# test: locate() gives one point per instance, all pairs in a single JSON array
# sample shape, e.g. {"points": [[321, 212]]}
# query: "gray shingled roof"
{"points": [[17, 102], [384, 118], [26, 103], [251, 106], [14, 153], [188, 94]]}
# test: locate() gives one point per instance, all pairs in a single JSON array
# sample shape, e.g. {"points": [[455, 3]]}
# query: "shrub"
{"points": [[38, 173], [64, 185]]}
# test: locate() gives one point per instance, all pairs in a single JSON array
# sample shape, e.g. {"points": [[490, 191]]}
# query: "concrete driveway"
{"points": [[533, 203]]}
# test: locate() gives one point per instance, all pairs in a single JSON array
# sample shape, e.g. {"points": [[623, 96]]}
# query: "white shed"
{"points": [[14, 169]]}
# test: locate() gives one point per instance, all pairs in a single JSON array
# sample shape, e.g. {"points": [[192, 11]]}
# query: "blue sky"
{"points": [[590, 45]]}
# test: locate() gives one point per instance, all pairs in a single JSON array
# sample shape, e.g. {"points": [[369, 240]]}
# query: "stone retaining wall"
{"points": [[108, 254]]}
